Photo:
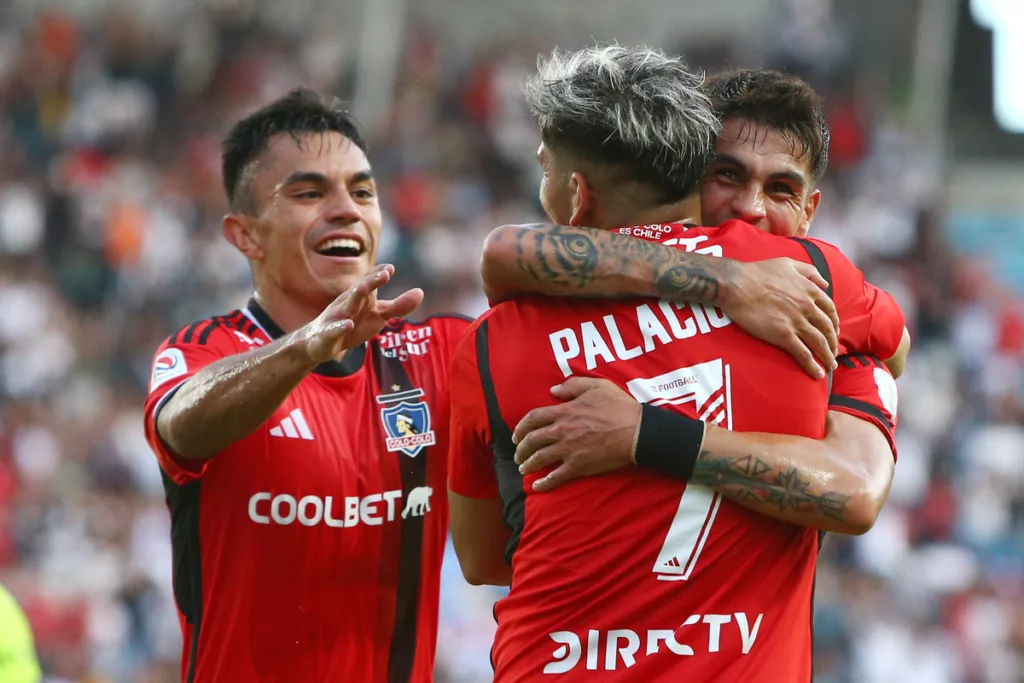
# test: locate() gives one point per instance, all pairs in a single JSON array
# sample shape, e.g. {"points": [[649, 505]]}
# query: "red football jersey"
{"points": [[874, 321], [862, 386], [634, 576], [311, 550]]}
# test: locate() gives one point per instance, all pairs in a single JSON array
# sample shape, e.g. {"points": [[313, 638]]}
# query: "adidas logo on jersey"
{"points": [[293, 427]]}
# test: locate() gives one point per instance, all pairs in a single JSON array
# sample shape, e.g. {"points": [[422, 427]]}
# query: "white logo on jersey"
{"points": [[293, 427], [246, 339], [410, 342], [168, 365], [621, 647], [418, 503], [335, 511], [690, 244], [703, 385], [887, 392]]}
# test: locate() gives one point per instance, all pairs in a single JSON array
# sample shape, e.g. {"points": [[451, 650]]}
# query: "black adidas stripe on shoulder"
{"points": [[186, 334], [205, 335], [237, 320], [860, 360], [249, 328], [199, 332], [871, 360], [862, 407]]}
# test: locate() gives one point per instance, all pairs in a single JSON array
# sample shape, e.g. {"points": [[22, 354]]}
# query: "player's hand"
{"points": [[356, 316], [592, 433], [784, 302]]}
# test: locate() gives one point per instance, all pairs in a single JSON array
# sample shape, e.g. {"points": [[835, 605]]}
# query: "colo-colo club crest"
{"points": [[406, 422]]}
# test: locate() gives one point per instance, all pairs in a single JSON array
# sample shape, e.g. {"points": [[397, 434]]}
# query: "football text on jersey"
{"points": [[615, 649], [601, 341], [338, 512]]}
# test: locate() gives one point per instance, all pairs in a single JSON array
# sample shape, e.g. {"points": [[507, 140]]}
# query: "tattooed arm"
{"points": [[836, 484], [780, 301], [562, 261]]}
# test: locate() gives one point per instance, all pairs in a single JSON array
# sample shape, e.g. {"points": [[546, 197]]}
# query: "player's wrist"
{"points": [[668, 442], [302, 347], [729, 288], [636, 434]]}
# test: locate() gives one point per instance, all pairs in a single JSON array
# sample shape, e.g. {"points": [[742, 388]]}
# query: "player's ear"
{"points": [[240, 231], [810, 207], [582, 201]]}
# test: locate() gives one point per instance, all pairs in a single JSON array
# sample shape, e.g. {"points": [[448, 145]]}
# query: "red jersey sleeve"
{"points": [[863, 387], [470, 460], [180, 357], [871, 321]]}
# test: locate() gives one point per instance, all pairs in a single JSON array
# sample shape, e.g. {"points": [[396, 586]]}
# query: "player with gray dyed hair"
{"points": [[627, 135], [636, 112]]}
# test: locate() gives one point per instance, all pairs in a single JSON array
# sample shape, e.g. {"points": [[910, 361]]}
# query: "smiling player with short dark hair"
{"points": [[299, 448]]}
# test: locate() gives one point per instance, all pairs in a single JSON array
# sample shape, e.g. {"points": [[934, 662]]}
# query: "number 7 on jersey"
{"points": [[707, 388]]}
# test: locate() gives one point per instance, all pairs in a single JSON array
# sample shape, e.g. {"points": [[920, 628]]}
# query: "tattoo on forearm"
{"points": [[693, 283], [581, 259], [751, 479]]}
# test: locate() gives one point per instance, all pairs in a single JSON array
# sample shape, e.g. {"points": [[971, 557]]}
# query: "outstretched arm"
{"points": [[229, 399], [836, 484], [780, 301]]}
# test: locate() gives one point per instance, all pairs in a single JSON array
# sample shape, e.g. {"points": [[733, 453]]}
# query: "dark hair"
{"points": [[777, 100], [300, 111], [636, 107]]}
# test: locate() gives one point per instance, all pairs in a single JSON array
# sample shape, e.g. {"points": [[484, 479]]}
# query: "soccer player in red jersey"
{"points": [[300, 463], [771, 151], [304, 468], [599, 566]]}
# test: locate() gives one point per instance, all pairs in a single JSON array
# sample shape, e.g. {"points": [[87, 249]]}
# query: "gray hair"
{"points": [[632, 106]]}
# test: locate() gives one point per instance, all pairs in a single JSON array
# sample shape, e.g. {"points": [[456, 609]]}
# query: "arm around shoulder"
{"points": [[558, 260], [838, 484]]}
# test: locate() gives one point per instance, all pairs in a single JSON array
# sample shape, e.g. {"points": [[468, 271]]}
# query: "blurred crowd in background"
{"points": [[110, 207]]}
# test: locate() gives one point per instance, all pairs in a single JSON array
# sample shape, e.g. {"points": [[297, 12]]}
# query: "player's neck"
{"points": [[679, 212], [287, 313]]}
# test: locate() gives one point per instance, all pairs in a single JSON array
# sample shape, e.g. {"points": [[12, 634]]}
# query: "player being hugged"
{"points": [[299, 448], [705, 574]]}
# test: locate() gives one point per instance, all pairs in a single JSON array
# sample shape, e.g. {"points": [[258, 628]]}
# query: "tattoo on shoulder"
{"points": [[752, 479]]}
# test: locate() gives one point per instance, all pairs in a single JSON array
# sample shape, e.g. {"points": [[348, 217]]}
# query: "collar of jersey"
{"points": [[677, 228], [349, 365]]}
